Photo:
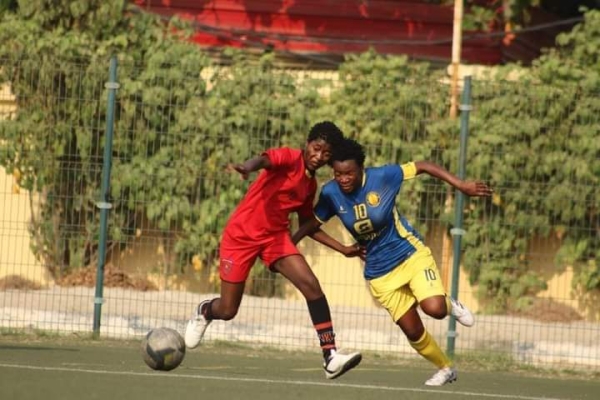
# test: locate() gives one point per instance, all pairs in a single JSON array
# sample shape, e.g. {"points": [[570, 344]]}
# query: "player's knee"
{"points": [[439, 315], [313, 292], [310, 288], [435, 307], [436, 310]]}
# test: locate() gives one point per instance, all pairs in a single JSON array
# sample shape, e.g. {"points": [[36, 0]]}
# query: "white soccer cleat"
{"points": [[338, 364], [442, 376], [461, 313], [194, 331]]}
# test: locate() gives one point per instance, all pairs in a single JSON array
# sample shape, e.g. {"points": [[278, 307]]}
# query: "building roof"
{"points": [[324, 30]]}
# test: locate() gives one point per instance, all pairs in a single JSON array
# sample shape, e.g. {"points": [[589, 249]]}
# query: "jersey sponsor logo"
{"points": [[368, 236], [373, 199], [342, 209]]}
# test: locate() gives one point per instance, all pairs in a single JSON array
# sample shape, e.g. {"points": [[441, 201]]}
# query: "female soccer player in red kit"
{"points": [[259, 227]]}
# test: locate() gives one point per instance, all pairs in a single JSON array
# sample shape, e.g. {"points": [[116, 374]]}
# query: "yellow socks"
{"points": [[448, 304], [427, 347]]}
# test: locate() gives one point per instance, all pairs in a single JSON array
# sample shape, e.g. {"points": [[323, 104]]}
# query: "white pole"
{"points": [[456, 49]]}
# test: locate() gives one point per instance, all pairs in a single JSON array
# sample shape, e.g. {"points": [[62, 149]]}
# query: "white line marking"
{"points": [[279, 382]]}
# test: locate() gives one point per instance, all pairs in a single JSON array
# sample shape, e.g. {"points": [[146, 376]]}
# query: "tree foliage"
{"points": [[543, 131], [56, 55], [575, 63], [173, 136], [487, 14], [398, 111]]}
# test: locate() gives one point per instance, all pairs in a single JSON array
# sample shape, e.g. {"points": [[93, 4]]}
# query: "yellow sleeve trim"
{"points": [[318, 219], [409, 170]]}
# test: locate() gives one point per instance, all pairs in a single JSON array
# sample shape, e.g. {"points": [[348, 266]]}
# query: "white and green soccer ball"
{"points": [[163, 349]]}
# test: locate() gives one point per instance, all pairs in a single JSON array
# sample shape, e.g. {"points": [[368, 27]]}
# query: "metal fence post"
{"points": [[457, 231], [104, 203]]}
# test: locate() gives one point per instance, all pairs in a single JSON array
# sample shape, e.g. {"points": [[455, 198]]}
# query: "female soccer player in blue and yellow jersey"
{"points": [[399, 267]]}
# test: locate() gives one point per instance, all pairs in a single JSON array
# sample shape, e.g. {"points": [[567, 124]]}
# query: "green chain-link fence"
{"points": [[529, 266]]}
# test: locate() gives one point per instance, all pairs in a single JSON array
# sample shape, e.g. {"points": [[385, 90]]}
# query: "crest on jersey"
{"points": [[225, 266], [373, 199]]}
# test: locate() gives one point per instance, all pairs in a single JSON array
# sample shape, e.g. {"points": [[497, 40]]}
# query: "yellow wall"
{"points": [[341, 278], [149, 255], [16, 257]]}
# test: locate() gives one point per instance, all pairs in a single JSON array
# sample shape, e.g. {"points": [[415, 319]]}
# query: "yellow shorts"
{"points": [[412, 281]]}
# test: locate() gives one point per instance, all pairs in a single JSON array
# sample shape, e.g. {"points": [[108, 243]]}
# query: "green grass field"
{"points": [[74, 368]]}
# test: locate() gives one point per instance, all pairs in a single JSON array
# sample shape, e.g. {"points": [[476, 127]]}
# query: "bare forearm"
{"points": [[471, 188], [307, 227], [322, 237], [256, 163], [251, 165], [312, 228], [438, 172]]}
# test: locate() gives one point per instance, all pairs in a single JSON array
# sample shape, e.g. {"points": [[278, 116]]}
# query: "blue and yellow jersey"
{"points": [[370, 215]]}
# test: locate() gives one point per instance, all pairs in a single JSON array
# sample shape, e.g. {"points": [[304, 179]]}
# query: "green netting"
{"points": [[530, 258]]}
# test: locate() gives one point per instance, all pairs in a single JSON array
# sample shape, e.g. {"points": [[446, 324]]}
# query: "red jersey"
{"points": [[283, 188]]}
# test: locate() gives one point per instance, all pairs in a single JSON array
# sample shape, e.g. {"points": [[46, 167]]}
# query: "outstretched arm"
{"points": [[308, 226], [470, 188], [312, 227], [251, 165]]}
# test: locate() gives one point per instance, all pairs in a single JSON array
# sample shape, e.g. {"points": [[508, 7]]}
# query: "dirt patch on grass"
{"points": [[113, 277], [549, 310], [18, 282]]}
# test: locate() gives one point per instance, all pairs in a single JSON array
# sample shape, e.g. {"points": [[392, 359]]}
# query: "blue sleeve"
{"points": [[324, 209]]}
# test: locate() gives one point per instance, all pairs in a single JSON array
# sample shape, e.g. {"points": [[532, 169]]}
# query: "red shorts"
{"points": [[238, 254]]}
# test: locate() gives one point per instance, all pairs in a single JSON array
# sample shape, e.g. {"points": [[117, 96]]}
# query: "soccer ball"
{"points": [[163, 349]]}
